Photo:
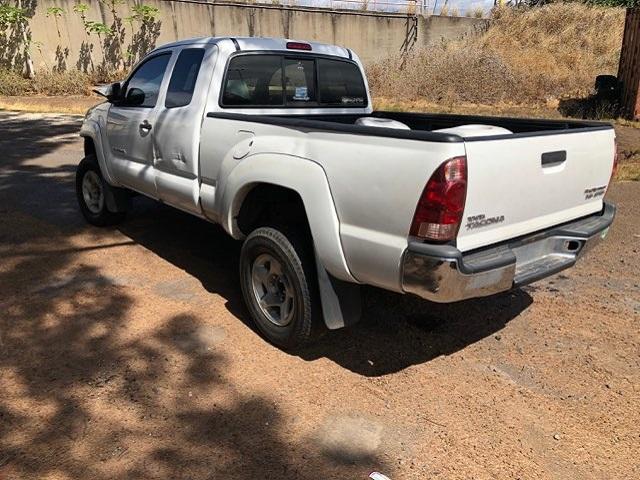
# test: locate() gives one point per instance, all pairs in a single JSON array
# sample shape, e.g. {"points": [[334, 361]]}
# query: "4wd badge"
{"points": [[595, 192]]}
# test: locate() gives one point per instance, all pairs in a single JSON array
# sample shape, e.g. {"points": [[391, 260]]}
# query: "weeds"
{"points": [[447, 74], [628, 171], [71, 82], [527, 56]]}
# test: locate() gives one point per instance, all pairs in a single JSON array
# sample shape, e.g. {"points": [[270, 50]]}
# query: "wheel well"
{"points": [[89, 147], [268, 204]]}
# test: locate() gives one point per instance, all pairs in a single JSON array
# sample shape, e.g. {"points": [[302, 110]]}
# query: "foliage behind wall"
{"points": [[121, 42]]}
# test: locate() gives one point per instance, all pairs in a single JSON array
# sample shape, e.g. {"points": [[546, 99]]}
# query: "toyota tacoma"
{"points": [[277, 141]]}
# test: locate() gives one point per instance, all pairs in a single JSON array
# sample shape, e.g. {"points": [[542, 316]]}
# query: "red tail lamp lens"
{"points": [[614, 169], [440, 208]]}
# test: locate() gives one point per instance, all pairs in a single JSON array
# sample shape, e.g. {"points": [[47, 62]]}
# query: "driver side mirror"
{"points": [[135, 97], [110, 92]]}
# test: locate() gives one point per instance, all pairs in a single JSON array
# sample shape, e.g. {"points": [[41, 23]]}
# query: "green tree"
{"points": [[15, 17], [85, 48], [99, 29], [82, 9], [146, 16], [55, 12]]}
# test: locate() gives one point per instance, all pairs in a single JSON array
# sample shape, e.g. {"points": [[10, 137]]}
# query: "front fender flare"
{"points": [[91, 129]]}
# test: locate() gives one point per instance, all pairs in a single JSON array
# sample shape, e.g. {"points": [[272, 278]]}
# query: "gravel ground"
{"points": [[126, 353]]}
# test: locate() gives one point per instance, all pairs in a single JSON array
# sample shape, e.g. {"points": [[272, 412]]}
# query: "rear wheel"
{"points": [[92, 191], [278, 280]]}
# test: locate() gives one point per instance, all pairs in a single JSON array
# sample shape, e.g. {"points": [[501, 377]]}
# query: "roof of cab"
{"points": [[262, 43]]}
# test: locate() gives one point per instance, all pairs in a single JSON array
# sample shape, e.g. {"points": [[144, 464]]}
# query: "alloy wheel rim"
{"points": [[272, 290], [92, 192]]}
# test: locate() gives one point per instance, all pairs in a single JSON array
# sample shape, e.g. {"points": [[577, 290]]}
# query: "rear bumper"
{"points": [[441, 273]]}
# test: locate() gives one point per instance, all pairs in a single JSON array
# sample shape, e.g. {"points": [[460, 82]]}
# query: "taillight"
{"points": [[615, 158], [439, 211]]}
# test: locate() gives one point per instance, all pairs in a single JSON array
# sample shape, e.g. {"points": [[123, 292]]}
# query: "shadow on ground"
{"points": [[593, 107], [397, 331], [85, 397], [36, 172], [90, 389]]}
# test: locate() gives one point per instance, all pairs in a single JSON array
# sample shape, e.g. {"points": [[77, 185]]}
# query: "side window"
{"points": [[183, 78], [143, 87], [253, 80], [340, 83]]}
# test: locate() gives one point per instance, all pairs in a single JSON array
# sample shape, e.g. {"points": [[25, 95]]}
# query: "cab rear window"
{"points": [[270, 80]]}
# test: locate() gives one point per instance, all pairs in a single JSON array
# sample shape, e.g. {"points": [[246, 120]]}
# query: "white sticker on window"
{"points": [[301, 94], [352, 100]]}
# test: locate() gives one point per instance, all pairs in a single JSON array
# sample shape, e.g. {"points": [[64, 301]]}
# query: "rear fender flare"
{"points": [[309, 180]]}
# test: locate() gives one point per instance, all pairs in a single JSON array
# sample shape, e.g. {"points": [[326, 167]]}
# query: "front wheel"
{"points": [[278, 281], [91, 192]]}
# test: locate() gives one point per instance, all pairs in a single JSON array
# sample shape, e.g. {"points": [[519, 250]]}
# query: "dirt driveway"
{"points": [[126, 354]]}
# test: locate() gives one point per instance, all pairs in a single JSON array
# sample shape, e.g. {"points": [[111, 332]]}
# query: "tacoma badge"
{"points": [[479, 221]]}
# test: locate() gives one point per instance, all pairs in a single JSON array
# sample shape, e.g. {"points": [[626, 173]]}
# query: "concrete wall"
{"points": [[371, 35]]}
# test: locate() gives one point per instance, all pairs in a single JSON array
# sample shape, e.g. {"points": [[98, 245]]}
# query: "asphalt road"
{"points": [[127, 353]]}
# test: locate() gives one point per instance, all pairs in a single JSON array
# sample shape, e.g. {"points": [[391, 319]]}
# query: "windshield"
{"points": [[272, 80]]}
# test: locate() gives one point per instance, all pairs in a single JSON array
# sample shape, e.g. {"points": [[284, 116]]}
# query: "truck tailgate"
{"points": [[523, 183]]}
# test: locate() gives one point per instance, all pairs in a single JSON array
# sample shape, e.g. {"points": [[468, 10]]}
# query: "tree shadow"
{"points": [[96, 386], [13, 48], [86, 397], [200, 248], [112, 46], [593, 107], [34, 181], [62, 54], [28, 137], [144, 39], [85, 60]]}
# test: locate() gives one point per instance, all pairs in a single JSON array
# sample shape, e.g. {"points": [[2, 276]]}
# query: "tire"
{"points": [[293, 324], [92, 191]]}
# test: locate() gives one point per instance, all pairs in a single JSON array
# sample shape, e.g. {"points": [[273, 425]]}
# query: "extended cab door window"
{"points": [[183, 78], [143, 87]]}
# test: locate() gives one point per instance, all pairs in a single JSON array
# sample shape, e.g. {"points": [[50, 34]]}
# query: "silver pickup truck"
{"points": [[277, 141]]}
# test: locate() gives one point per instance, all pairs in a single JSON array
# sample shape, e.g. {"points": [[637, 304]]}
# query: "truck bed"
{"points": [[422, 125], [545, 173]]}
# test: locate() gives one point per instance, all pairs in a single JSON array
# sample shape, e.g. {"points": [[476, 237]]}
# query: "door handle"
{"points": [[146, 126], [551, 159]]}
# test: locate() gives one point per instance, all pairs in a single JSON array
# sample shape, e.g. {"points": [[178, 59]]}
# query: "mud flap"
{"points": [[117, 199], [341, 301]]}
